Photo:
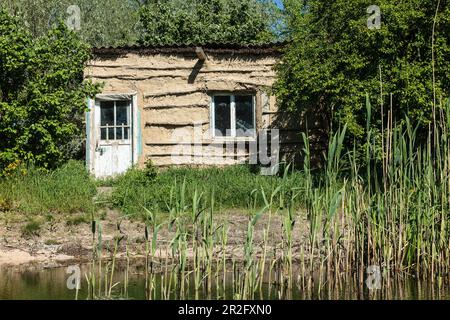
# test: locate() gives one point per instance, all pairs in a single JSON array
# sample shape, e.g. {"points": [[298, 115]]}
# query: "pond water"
{"points": [[51, 284]]}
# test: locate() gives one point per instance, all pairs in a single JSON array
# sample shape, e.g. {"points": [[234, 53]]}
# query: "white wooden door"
{"points": [[113, 132]]}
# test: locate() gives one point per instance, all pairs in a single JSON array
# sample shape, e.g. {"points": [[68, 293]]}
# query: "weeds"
{"points": [[77, 219], [31, 228], [68, 189], [233, 185], [397, 220], [391, 211]]}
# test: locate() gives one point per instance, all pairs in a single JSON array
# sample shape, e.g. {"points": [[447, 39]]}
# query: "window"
{"points": [[233, 116], [115, 120]]}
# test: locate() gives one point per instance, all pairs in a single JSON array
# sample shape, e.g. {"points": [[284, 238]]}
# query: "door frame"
{"points": [[91, 128]]}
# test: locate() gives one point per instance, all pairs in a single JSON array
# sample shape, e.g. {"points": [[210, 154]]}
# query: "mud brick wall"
{"points": [[174, 94]]}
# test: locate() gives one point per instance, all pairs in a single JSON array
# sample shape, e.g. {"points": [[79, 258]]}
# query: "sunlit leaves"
{"points": [[335, 59], [224, 21], [43, 93]]}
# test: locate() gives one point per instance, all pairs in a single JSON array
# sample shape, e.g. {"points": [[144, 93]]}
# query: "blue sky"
{"points": [[278, 2]]}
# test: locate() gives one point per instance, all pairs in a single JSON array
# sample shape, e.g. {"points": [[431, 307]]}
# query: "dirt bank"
{"points": [[59, 244]]}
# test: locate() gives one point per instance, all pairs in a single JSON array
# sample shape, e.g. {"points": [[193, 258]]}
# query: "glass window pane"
{"points": [[222, 115], [119, 133], [107, 113], [107, 134], [110, 135], [126, 131], [245, 125], [122, 108], [103, 134]]}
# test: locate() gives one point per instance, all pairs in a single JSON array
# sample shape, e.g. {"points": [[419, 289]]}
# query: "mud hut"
{"points": [[181, 105]]}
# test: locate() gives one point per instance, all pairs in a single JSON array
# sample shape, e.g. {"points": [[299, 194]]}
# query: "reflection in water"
{"points": [[50, 284]]}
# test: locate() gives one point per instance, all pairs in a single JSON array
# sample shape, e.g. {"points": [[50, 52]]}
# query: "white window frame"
{"points": [[232, 116]]}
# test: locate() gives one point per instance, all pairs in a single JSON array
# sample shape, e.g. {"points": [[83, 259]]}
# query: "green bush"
{"points": [[42, 94], [334, 61], [193, 21], [136, 176]]}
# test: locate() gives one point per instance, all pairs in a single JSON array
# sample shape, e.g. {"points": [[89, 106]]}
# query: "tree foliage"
{"points": [[42, 93], [102, 22], [202, 21], [335, 60], [123, 22]]}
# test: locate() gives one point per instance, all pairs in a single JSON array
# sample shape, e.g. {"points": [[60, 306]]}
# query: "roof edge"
{"points": [[265, 48]]}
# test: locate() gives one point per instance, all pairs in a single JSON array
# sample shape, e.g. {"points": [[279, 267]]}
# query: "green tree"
{"points": [[102, 22], [42, 93], [335, 60], [202, 21]]}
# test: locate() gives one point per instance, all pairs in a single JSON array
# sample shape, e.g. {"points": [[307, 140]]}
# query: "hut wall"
{"points": [[174, 95]]}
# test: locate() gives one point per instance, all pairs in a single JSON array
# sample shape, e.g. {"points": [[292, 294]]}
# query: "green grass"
{"points": [[66, 190], [31, 228], [77, 219], [233, 187]]}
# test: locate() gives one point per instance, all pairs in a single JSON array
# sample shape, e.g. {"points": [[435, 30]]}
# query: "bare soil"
{"points": [[59, 243]]}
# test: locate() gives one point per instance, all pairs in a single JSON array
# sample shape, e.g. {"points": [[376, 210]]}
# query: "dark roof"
{"points": [[265, 48]]}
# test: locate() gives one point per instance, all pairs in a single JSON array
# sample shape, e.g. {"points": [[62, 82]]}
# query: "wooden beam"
{"points": [[200, 53], [176, 124], [174, 106], [172, 93]]}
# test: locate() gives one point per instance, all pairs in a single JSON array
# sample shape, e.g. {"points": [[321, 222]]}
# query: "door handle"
{"points": [[99, 149]]}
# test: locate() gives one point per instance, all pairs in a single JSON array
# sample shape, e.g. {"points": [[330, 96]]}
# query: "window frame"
{"points": [[232, 115], [115, 126]]}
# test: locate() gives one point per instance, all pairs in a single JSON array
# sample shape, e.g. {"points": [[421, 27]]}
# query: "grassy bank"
{"points": [[30, 191], [234, 187]]}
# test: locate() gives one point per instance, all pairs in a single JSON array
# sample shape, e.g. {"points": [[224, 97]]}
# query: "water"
{"points": [[51, 284]]}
